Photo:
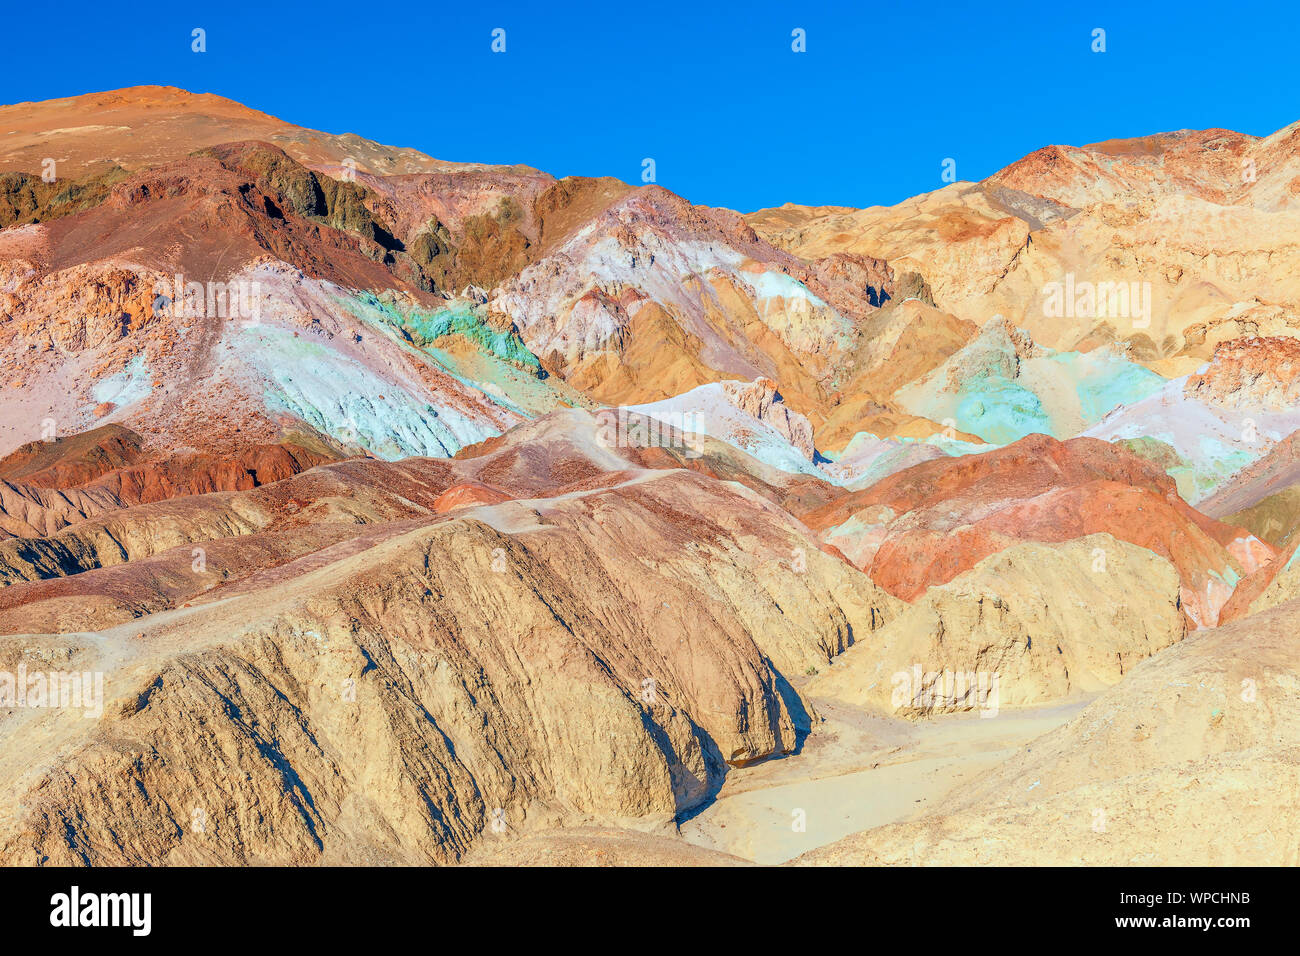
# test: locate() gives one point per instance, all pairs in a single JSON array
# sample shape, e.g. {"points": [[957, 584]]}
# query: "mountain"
{"points": [[415, 511], [1194, 233], [145, 126]]}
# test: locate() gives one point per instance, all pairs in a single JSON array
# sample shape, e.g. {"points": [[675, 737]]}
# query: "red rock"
{"points": [[468, 494], [953, 512]]}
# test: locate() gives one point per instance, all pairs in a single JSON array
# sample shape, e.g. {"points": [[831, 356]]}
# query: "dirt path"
{"points": [[857, 771]]}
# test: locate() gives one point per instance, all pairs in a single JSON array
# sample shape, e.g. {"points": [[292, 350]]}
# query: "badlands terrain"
{"points": [[409, 511]]}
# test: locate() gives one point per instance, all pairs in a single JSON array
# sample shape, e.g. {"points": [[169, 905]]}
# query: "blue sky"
{"points": [[711, 91]]}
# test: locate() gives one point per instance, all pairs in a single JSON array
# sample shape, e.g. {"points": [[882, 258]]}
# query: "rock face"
{"points": [[903, 341], [74, 460], [65, 480], [750, 416], [1251, 373], [655, 297], [1272, 585], [83, 559], [1031, 624], [1155, 772], [474, 632], [386, 703], [761, 399], [1208, 447]]}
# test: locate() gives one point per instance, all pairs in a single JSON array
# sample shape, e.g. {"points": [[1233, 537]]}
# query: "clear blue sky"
{"points": [[711, 91]]}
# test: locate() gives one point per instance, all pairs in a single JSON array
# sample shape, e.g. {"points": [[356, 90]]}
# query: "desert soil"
{"points": [[856, 771]]}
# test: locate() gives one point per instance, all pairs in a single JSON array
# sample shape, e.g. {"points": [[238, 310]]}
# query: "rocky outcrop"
{"points": [[1173, 217], [73, 460], [1032, 624], [1188, 761], [29, 511], [1263, 497], [1259, 373], [1278, 582], [512, 665], [761, 399], [85, 476], [656, 296]]}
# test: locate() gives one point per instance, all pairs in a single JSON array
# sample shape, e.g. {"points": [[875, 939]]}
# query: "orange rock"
{"points": [[1252, 372], [468, 494]]}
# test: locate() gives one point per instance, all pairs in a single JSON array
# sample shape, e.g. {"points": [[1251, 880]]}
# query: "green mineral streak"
{"points": [[508, 368], [422, 329], [1000, 411], [426, 328]]}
